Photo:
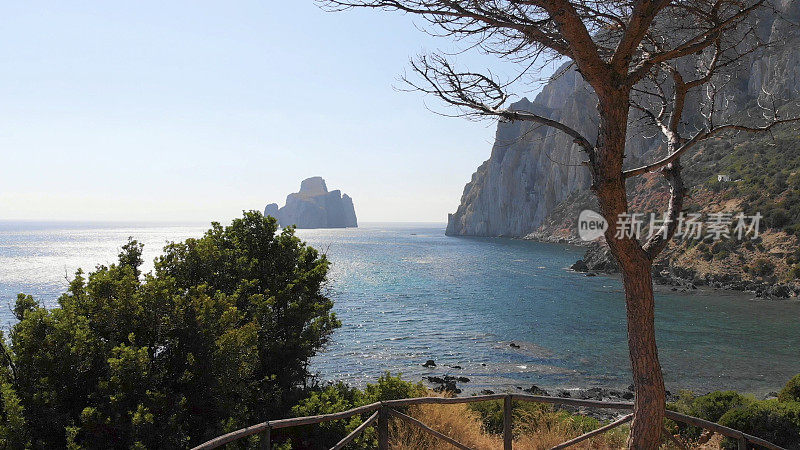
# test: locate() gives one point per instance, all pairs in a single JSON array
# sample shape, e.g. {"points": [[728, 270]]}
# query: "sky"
{"points": [[195, 111]]}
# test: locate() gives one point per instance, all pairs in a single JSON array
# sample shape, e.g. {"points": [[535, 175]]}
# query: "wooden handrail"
{"points": [[309, 420], [219, 441], [572, 401], [283, 423], [443, 400]]}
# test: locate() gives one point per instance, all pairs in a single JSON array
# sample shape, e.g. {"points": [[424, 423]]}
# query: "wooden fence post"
{"points": [[508, 435], [383, 428], [742, 443], [266, 443]]}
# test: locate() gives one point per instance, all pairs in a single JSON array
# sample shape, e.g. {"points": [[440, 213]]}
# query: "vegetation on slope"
{"points": [[764, 172], [776, 419]]}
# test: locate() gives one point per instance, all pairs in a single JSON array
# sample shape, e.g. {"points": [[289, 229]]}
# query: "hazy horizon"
{"points": [[6, 223], [191, 111]]}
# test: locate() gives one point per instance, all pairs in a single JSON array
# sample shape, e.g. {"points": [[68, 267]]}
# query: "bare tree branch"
{"points": [[706, 36], [478, 93], [658, 240]]}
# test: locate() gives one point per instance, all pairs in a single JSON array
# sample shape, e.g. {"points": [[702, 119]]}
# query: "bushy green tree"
{"points": [[791, 392], [714, 405], [13, 433], [216, 338], [777, 422], [710, 407]]}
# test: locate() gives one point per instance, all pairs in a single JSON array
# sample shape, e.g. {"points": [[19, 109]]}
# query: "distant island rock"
{"points": [[315, 207]]}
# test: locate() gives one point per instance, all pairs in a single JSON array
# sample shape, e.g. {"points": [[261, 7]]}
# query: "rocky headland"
{"points": [[534, 186]]}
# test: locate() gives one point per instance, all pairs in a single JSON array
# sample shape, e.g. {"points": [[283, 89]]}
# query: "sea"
{"points": [[504, 313]]}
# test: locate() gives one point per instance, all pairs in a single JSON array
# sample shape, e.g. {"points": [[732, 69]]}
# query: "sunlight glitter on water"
{"points": [[407, 293]]}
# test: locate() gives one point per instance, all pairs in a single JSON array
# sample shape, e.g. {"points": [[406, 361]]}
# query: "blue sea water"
{"points": [[406, 293]]}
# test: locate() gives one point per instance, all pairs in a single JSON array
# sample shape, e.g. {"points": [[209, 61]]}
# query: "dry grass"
{"points": [[464, 425], [537, 432], [456, 421], [547, 438]]}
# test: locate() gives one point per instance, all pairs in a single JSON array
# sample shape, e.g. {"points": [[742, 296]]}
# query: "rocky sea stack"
{"points": [[315, 207]]}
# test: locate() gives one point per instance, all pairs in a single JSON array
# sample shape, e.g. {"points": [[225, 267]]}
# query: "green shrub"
{"points": [[776, 420], [791, 392], [709, 407], [530, 416], [391, 387], [491, 414], [772, 420], [339, 397], [794, 272], [582, 424], [684, 403], [762, 268], [332, 399], [528, 413], [218, 337], [714, 405]]}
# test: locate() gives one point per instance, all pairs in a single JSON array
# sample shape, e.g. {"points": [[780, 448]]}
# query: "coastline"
{"points": [[597, 260], [487, 316]]}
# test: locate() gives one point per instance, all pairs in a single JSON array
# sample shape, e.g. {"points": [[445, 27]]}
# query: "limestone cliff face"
{"points": [[315, 207], [533, 168]]}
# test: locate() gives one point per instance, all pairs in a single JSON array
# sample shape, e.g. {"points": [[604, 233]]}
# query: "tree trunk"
{"points": [[636, 265], [648, 382]]}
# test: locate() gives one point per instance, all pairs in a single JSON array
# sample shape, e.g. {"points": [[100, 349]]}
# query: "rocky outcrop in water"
{"points": [[315, 207]]}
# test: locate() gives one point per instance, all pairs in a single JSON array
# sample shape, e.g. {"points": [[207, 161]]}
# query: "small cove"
{"points": [[406, 293]]}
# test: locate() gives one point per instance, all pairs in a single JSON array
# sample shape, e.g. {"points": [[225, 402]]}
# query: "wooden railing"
{"points": [[382, 411]]}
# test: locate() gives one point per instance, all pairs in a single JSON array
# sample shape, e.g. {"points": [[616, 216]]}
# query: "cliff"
{"points": [[315, 207], [533, 168], [763, 177]]}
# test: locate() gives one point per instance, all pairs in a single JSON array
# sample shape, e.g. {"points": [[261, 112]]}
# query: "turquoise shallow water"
{"points": [[406, 293]]}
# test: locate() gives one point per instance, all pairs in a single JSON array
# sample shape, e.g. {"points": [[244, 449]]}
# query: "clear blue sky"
{"points": [[193, 110]]}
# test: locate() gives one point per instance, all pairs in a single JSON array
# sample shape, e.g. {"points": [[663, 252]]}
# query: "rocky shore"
{"points": [[449, 384], [598, 259], [539, 236]]}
